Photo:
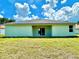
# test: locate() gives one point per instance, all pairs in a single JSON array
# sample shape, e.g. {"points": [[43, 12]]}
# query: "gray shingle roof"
{"points": [[42, 22]]}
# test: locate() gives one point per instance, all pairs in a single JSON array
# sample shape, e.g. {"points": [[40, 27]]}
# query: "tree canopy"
{"points": [[6, 20]]}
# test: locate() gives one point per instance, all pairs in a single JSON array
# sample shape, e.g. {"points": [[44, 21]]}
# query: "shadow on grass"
{"points": [[40, 37]]}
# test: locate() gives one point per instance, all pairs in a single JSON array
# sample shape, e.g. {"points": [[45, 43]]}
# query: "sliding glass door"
{"points": [[41, 32]]}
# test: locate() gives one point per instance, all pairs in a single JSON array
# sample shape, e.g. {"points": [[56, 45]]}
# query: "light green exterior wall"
{"points": [[62, 30], [29, 30], [18, 30], [47, 30]]}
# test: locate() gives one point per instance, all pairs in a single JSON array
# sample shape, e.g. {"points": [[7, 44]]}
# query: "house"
{"points": [[2, 29], [40, 28]]}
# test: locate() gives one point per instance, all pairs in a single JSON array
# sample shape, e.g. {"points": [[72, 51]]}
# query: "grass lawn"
{"points": [[39, 48]]}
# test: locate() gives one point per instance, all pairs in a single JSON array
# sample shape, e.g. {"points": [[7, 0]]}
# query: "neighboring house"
{"points": [[2, 29], [77, 29], [40, 28]]}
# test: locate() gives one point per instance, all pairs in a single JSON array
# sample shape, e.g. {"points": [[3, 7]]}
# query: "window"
{"points": [[70, 28]]}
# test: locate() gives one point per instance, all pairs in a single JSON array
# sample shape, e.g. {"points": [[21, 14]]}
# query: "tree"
{"points": [[5, 20]]}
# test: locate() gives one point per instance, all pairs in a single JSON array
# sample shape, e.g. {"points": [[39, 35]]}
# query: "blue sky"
{"points": [[8, 8]]}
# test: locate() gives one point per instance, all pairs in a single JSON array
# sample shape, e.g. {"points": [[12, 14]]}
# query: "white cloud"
{"points": [[75, 8], [68, 13], [34, 6], [22, 12], [48, 11], [35, 17], [60, 15], [75, 12], [22, 9], [46, 6], [53, 3], [1, 16], [21, 18], [63, 1], [64, 13]]}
